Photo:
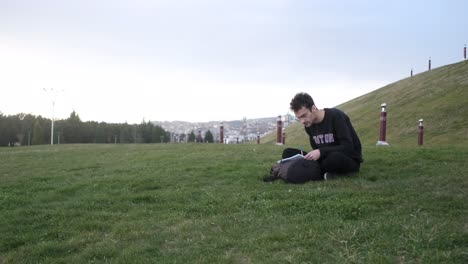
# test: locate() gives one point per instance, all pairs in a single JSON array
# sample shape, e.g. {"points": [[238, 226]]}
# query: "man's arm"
{"points": [[313, 155]]}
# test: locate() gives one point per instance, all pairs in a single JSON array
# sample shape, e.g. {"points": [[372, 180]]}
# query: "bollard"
{"points": [[258, 137], [283, 138], [464, 53], [199, 137], [279, 126], [221, 133], [420, 132], [383, 126]]}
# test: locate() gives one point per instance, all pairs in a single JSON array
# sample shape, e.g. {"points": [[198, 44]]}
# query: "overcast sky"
{"points": [[128, 60]]}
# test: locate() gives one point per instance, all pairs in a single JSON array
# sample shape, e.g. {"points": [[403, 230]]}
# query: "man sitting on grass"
{"points": [[336, 146]]}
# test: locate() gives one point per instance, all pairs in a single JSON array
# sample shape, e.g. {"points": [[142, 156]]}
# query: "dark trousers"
{"points": [[334, 162]]}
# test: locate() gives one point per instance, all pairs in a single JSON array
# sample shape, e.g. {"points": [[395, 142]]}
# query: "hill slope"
{"points": [[439, 96]]}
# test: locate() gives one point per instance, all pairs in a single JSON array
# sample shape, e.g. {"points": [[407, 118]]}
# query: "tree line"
{"points": [[27, 129], [208, 138]]}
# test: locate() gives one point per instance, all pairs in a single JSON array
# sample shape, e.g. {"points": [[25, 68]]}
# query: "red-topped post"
{"points": [[221, 133], [283, 138], [279, 127], [420, 132], [199, 137], [464, 53], [383, 125]]}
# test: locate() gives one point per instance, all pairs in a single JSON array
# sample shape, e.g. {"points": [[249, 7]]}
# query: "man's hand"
{"points": [[313, 155]]}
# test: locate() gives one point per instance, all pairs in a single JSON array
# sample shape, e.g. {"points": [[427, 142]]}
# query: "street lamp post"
{"points": [[54, 92], [52, 126]]}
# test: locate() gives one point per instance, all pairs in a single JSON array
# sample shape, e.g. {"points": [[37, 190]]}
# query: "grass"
{"points": [[205, 203]]}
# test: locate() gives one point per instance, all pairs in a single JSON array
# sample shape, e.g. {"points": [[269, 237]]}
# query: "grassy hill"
{"points": [[439, 96]]}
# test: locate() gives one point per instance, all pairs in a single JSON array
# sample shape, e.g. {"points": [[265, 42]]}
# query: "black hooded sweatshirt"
{"points": [[335, 133]]}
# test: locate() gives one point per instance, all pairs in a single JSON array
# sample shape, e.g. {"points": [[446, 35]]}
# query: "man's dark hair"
{"points": [[300, 100]]}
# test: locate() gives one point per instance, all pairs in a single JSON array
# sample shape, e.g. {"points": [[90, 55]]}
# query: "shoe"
{"points": [[329, 176]]}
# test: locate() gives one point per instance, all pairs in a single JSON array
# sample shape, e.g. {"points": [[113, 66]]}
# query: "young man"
{"points": [[336, 146]]}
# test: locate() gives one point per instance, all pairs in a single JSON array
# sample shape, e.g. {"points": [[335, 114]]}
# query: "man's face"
{"points": [[305, 116]]}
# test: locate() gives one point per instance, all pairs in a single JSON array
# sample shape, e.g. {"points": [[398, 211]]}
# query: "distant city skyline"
{"points": [[198, 61]]}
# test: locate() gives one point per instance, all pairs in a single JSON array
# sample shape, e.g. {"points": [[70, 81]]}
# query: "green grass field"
{"points": [[205, 203]]}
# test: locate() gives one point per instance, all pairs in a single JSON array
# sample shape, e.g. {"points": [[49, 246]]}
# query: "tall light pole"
{"points": [[54, 93]]}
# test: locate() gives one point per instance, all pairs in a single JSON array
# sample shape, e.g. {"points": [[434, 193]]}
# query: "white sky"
{"points": [[128, 60]]}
